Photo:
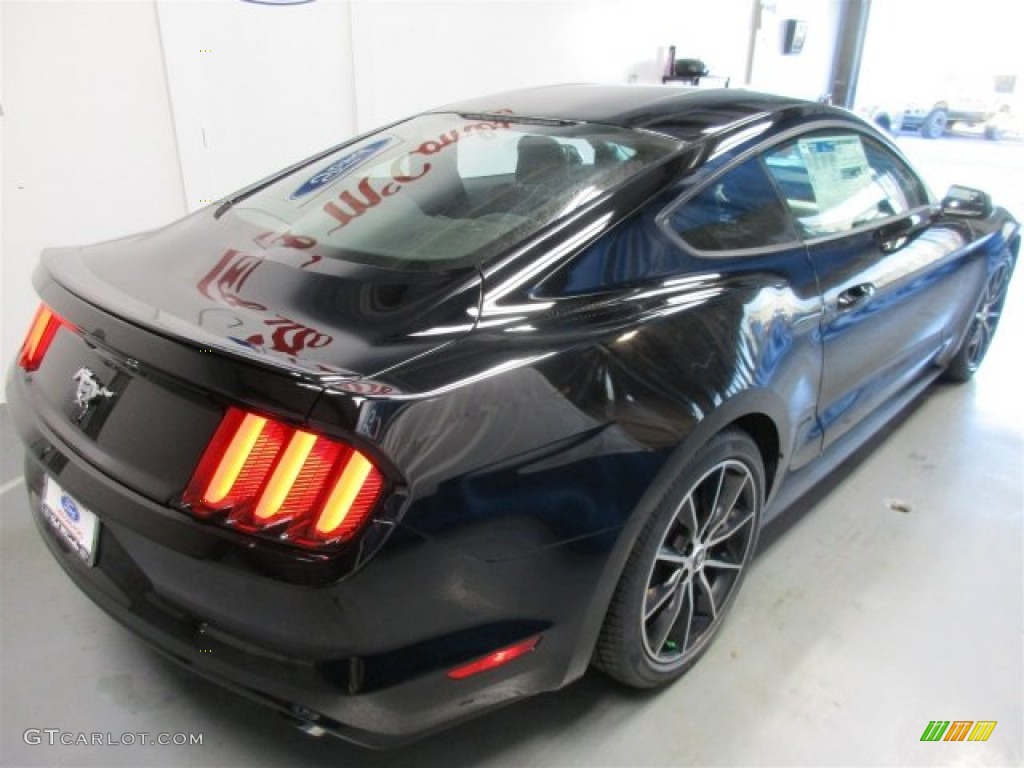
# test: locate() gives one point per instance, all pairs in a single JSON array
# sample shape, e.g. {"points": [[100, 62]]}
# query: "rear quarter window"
{"points": [[737, 211]]}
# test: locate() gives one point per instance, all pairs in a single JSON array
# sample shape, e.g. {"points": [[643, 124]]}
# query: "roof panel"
{"points": [[631, 105]]}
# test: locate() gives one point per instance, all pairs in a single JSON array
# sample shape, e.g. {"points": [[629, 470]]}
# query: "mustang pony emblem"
{"points": [[87, 389]]}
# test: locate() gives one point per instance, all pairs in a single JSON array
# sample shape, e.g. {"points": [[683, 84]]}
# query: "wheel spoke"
{"points": [[669, 555], [991, 318], [662, 626], [986, 319], [974, 344], [997, 286], [690, 504], [731, 530], [706, 585], [659, 594], [714, 504], [733, 495], [690, 608], [722, 564], [982, 342]]}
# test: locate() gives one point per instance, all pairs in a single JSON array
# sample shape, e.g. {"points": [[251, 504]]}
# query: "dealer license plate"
{"points": [[74, 523]]}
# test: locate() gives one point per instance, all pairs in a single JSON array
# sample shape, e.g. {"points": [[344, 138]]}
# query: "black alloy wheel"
{"points": [[686, 566], [983, 325]]}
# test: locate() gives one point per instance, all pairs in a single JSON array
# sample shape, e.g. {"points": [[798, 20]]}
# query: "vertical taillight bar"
{"points": [[260, 475]]}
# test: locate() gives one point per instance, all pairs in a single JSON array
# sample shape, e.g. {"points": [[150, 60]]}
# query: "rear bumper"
{"points": [[306, 692], [365, 657]]}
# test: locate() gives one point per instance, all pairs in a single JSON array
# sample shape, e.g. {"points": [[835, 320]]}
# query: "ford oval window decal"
{"points": [[339, 168], [69, 507]]}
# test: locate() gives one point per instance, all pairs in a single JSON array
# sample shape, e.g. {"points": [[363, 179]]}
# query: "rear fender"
{"points": [[748, 403]]}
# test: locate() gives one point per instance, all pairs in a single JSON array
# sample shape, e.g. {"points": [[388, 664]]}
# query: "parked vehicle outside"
{"points": [[960, 103]]}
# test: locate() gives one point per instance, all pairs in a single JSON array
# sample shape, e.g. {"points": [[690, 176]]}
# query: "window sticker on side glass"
{"points": [[837, 167]]}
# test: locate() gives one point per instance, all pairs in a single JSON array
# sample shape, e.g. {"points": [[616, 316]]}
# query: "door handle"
{"points": [[855, 296]]}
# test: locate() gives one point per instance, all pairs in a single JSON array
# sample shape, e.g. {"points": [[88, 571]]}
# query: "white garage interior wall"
{"points": [[88, 141], [413, 55], [122, 116], [255, 87], [806, 75]]}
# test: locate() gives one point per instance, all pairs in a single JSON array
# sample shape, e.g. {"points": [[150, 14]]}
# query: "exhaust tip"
{"points": [[311, 729], [305, 719]]}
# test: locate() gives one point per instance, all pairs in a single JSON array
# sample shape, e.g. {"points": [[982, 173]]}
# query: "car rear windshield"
{"points": [[445, 190]]}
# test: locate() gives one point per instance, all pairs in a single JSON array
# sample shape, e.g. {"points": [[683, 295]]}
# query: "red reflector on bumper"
{"points": [[494, 659]]}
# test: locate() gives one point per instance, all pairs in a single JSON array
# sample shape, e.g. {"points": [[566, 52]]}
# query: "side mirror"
{"points": [[966, 203]]}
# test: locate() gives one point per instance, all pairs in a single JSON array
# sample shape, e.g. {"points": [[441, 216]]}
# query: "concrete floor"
{"points": [[857, 626]]}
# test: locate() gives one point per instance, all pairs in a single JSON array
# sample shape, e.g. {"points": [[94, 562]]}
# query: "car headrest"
{"points": [[540, 159]]}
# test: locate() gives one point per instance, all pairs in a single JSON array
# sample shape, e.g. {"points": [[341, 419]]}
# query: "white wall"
{"points": [[254, 87], [412, 55], [93, 148], [88, 143], [805, 75]]}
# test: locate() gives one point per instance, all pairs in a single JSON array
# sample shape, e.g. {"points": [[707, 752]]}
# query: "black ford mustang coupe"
{"points": [[440, 417]]}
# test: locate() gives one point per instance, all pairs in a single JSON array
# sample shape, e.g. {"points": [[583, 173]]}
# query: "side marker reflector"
{"points": [[495, 659]]}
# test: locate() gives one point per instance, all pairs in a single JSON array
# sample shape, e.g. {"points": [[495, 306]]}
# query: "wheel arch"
{"points": [[758, 413], [765, 434]]}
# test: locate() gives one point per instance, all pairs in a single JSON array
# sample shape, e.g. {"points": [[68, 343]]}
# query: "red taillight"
{"points": [[40, 334], [259, 475], [495, 658]]}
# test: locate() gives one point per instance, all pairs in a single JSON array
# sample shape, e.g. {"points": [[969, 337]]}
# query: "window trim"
{"points": [[662, 218]]}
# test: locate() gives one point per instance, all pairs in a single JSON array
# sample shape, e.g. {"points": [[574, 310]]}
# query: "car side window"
{"points": [[834, 182], [739, 210], [735, 212]]}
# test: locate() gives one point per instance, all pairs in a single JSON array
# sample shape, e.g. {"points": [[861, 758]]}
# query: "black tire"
{"points": [[995, 128], [935, 124], [686, 566], [994, 132], [983, 325]]}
